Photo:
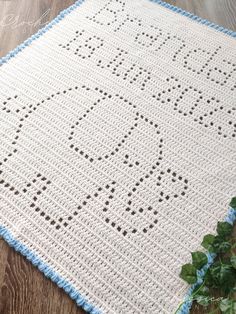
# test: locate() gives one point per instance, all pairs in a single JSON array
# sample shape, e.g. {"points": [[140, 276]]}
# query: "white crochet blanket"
{"points": [[117, 149]]}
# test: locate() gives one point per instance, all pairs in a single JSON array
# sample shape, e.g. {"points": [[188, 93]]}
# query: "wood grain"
{"points": [[221, 12], [23, 289]]}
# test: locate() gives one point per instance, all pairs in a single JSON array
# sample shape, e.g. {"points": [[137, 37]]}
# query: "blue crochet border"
{"points": [[43, 267]]}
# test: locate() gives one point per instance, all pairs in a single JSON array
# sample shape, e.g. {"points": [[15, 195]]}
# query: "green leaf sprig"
{"points": [[220, 277]]}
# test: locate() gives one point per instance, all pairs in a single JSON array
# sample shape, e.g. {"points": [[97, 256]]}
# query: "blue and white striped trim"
{"points": [[48, 272], [195, 18], [187, 303], [43, 267]]}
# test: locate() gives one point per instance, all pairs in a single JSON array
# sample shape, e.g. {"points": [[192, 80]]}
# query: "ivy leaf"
{"points": [[199, 259], [188, 273], [224, 229], [215, 244], [233, 203], [220, 245], [209, 279], [228, 306], [208, 241], [233, 261], [220, 271], [223, 275]]}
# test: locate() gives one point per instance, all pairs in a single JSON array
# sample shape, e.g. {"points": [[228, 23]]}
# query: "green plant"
{"points": [[220, 277]]}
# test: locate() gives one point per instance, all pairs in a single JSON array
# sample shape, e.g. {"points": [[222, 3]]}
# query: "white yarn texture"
{"points": [[117, 149]]}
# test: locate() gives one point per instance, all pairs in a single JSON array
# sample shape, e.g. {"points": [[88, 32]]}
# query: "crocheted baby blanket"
{"points": [[117, 149]]}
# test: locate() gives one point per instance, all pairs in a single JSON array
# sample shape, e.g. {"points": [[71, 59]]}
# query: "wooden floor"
{"points": [[23, 289]]}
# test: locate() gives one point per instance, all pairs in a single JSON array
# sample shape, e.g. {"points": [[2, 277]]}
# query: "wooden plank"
{"points": [[4, 249], [222, 12]]}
